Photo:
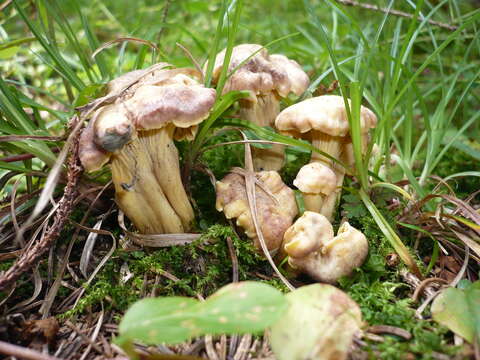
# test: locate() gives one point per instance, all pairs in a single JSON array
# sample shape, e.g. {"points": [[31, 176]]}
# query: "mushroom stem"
{"points": [[263, 112], [332, 145], [148, 186], [326, 143], [330, 202], [313, 202]]}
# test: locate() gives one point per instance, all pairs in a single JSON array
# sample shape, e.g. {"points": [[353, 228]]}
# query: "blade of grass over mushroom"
{"points": [[231, 35], [265, 133], [218, 109], [216, 44], [390, 234], [355, 133]]}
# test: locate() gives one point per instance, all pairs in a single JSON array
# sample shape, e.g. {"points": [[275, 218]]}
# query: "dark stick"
{"points": [[33, 255], [23, 353], [163, 20], [394, 12]]}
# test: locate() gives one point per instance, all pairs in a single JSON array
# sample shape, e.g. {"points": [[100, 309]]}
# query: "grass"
{"points": [[422, 81]]}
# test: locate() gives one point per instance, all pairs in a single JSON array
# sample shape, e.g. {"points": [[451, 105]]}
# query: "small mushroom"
{"points": [[323, 121], [135, 134], [268, 78], [276, 206], [313, 249], [316, 181]]}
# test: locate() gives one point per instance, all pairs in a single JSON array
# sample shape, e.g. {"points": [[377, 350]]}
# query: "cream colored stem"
{"points": [[148, 186], [326, 143], [324, 204], [167, 171], [313, 202], [331, 201], [263, 113]]}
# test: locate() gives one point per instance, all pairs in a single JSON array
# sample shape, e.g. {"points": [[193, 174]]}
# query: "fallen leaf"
{"points": [[319, 324], [459, 310]]}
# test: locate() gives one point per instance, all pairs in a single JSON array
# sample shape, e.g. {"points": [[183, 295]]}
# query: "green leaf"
{"points": [[245, 307], [459, 310], [9, 52], [90, 93], [319, 324]]}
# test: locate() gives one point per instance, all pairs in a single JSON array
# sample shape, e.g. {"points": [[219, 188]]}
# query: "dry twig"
{"points": [[23, 353], [30, 257], [395, 12]]}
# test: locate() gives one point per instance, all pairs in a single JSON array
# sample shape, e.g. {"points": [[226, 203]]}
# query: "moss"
{"points": [[201, 268]]}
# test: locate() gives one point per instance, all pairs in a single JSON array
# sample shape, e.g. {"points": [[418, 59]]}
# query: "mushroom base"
{"points": [[148, 186]]}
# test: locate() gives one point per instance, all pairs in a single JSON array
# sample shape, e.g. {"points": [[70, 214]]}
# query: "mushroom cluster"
{"points": [[135, 135], [310, 242], [323, 121], [268, 79], [313, 249]]}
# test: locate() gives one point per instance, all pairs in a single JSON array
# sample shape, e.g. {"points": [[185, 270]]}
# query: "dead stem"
{"points": [[23, 353], [394, 12], [65, 206]]}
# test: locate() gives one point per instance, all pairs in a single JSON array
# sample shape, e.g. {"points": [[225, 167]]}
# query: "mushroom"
{"points": [[135, 134], [267, 78], [313, 249], [323, 120], [316, 181], [276, 206]]}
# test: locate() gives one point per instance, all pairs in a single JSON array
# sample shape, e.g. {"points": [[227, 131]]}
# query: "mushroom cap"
{"points": [[307, 234], [262, 73], [112, 127], [92, 157], [154, 107], [124, 80], [274, 216], [316, 178], [161, 97], [324, 113], [336, 257]]}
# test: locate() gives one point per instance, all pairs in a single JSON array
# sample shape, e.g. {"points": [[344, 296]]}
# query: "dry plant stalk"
{"points": [[30, 257]]}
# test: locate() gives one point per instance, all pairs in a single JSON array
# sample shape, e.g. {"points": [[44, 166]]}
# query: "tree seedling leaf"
{"points": [[239, 308], [459, 310], [319, 324]]}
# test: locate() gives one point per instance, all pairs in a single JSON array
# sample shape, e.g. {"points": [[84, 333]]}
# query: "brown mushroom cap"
{"points": [[124, 80], [177, 100], [153, 107], [315, 178], [92, 156], [112, 127], [274, 217], [325, 114], [262, 73]]}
